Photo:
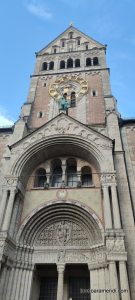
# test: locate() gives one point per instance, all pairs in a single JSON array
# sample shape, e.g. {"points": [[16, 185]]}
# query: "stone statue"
{"points": [[63, 103]]}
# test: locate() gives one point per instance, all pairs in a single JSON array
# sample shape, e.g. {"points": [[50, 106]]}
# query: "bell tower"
{"points": [[73, 65]]}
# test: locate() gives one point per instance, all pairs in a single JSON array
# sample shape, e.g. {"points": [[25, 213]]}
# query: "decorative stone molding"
{"points": [[108, 178], [115, 244], [115, 248], [111, 110], [62, 194], [7, 247], [11, 181], [64, 125], [95, 257]]}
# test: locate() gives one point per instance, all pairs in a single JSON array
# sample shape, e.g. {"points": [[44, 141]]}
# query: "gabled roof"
{"points": [[53, 127], [74, 29]]}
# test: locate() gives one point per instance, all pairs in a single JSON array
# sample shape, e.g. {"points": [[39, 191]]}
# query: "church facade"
{"points": [[67, 182]]}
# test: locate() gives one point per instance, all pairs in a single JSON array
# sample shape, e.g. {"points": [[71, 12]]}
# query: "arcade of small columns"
{"points": [[112, 223]]}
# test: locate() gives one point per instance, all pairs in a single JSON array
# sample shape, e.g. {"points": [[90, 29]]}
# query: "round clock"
{"points": [[68, 84]]}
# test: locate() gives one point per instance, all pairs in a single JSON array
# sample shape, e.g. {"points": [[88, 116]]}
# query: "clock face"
{"points": [[68, 84]]}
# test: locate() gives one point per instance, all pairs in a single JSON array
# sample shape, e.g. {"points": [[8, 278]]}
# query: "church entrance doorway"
{"points": [[76, 282]]}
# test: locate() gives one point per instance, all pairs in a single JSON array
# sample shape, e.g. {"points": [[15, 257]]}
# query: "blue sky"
{"points": [[28, 25]]}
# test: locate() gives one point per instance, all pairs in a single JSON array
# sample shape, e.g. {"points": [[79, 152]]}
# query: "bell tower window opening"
{"points": [[77, 63], [95, 61], [56, 178], [62, 64], [70, 63], [78, 42], [73, 99], [88, 62], [70, 35], [44, 66], [40, 178], [86, 176], [63, 44], [51, 65]]}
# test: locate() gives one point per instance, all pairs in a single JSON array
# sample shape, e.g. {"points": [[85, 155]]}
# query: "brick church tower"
{"points": [[67, 183]]}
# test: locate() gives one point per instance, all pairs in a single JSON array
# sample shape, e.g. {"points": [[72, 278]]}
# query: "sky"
{"points": [[29, 25]]}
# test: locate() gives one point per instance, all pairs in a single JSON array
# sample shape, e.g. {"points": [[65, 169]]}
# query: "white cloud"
{"points": [[5, 120], [38, 9]]}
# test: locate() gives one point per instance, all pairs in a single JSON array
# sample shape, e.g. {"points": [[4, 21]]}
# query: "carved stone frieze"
{"points": [[115, 244], [108, 178], [62, 234], [11, 181], [62, 194], [62, 125], [93, 257]]}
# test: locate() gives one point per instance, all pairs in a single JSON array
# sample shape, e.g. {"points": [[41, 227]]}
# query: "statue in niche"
{"points": [[63, 102]]}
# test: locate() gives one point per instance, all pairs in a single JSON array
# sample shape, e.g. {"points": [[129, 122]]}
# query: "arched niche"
{"points": [[51, 148]]}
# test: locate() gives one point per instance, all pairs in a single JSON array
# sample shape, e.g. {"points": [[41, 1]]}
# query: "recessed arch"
{"points": [[46, 148], [61, 210]]}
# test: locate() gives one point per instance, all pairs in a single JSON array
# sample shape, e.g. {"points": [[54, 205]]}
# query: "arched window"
{"points": [[73, 99], [78, 42], [86, 176], [70, 63], [70, 35], [71, 172], [51, 65], [56, 173], [44, 66], [86, 47], [40, 178], [95, 61], [62, 64], [77, 63], [54, 50], [88, 61], [63, 43]]}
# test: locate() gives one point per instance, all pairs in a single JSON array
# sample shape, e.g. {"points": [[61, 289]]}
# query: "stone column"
{"points": [[125, 293], [2, 281], [48, 178], [60, 269], [113, 281], [94, 284], [2, 205], [107, 207], [29, 283], [116, 212], [15, 284], [6, 283], [10, 284], [9, 209]]}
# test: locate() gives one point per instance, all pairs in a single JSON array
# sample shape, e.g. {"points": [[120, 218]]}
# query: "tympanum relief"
{"points": [[64, 233]]}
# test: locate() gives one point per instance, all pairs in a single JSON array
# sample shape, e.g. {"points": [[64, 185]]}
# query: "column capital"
{"points": [[108, 179], [60, 268]]}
